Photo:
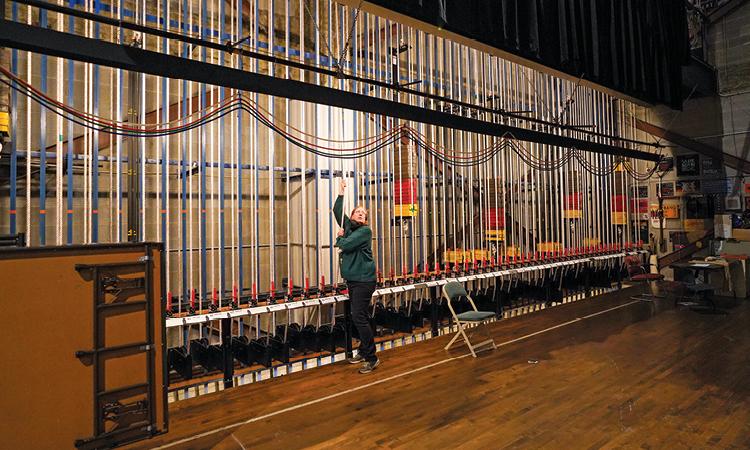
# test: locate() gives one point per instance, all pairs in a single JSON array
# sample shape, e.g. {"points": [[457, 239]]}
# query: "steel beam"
{"points": [[742, 166], [65, 45]]}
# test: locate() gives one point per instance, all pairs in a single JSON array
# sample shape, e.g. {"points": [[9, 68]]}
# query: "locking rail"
{"points": [[286, 306]]}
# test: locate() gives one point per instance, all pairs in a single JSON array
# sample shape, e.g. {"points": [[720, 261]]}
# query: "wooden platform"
{"points": [[608, 372]]}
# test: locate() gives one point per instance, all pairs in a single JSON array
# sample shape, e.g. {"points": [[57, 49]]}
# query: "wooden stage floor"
{"points": [[607, 372]]}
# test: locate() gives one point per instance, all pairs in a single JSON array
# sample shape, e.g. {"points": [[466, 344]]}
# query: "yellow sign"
{"points": [[495, 235], [572, 213], [512, 251], [591, 242], [457, 256], [4, 123], [619, 218], [460, 255], [406, 210], [481, 255], [694, 224], [548, 247], [671, 211]]}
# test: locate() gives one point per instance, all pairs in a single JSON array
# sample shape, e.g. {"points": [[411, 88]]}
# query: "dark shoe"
{"points": [[355, 359], [369, 366]]}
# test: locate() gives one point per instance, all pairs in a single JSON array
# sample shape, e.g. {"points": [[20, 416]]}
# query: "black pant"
{"points": [[360, 294]]}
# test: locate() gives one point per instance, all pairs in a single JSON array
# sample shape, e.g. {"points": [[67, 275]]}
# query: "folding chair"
{"points": [[452, 291], [637, 273]]}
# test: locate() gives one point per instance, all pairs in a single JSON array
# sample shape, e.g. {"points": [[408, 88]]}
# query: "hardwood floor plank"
{"points": [[642, 375]]}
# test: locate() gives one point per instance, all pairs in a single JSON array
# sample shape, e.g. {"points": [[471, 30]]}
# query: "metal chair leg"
{"points": [[455, 336], [468, 342], [462, 326]]}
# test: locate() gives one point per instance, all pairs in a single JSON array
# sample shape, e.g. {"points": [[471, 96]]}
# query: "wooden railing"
{"points": [[685, 252]]}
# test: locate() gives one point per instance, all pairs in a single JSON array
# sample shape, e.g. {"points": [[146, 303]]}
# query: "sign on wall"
{"points": [[694, 224], [688, 187], [688, 165], [671, 210], [711, 167], [666, 164], [666, 189]]}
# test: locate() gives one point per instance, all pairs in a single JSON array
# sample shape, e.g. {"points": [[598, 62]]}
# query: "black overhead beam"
{"points": [[70, 46], [235, 48]]}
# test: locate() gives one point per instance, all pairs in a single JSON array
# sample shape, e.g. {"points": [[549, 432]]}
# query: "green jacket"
{"points": [[356, 247]]}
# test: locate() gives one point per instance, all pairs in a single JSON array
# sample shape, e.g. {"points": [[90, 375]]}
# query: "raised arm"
{"points": [[338, 206]]}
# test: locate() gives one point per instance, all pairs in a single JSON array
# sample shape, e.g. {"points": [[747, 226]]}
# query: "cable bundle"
{"points": [[361, 148]]}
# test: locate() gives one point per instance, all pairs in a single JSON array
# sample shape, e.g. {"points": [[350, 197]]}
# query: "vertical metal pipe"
{"points": [[390, 122], [288, 163], [165, 102], [511, 186], [255, 240], [342, 116], [462, 145], [271, 158], [453, 140], [95, 143], [29, 63], [565, 188], [212, 188], [421, 58], [318, 176], [604, 110], [239, 226], [132, 104], [58, 145], [550, 213], [303, 157], [42, 142], [234, 149], [119, 81], [489, 216], [441, 75], [522, 230], [379, 218], [467, 81], [14, 131], [86, 194], [183, 168], [589, 190], [539, 224], [432, 88], [222, 175], [141, 179], [398, 150], [203, 166], [501, 197]]}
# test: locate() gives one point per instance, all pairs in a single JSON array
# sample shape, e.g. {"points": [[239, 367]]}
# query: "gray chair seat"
{"points": [[474, 316]]}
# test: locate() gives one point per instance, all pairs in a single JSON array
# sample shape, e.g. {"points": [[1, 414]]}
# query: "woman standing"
{"points": [[358, 269]]}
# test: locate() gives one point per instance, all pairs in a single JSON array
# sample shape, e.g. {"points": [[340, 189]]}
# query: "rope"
{"points": [[315, 23]]}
